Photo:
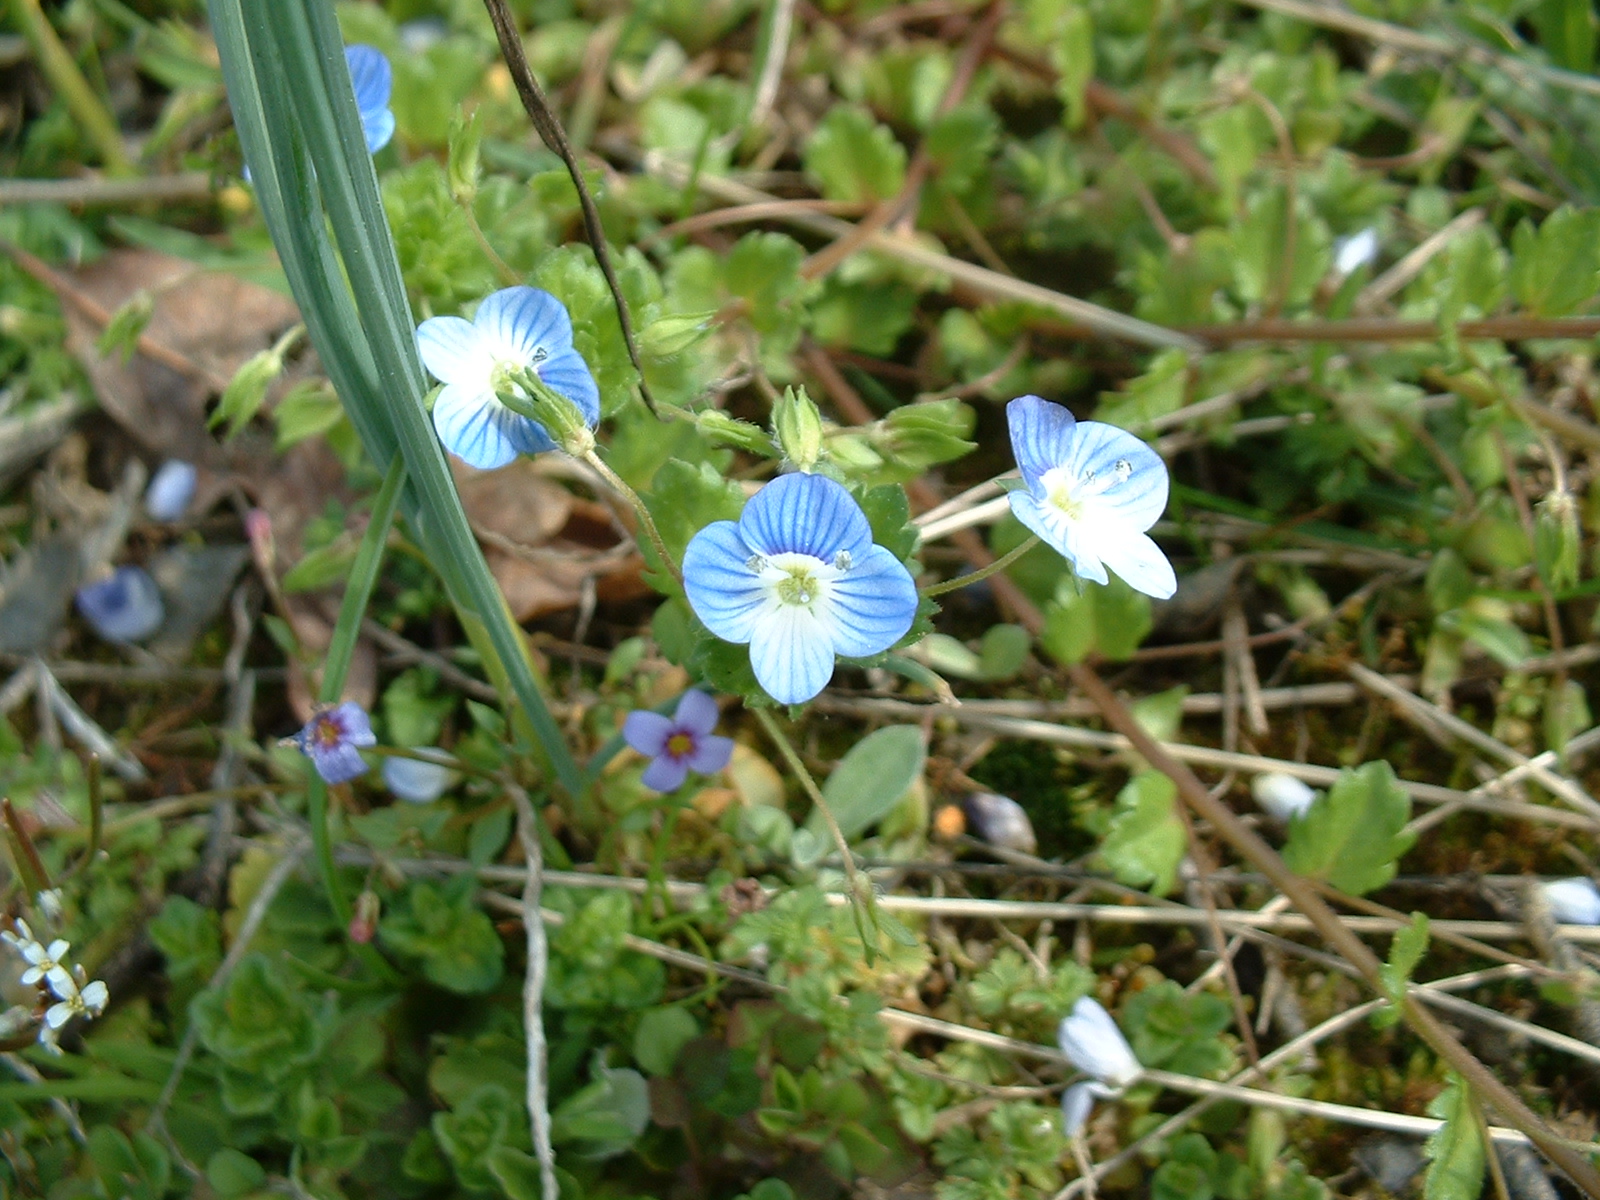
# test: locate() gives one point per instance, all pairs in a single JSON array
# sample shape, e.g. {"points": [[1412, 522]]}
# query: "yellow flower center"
{"points": [[799, 586], [680, 745]]}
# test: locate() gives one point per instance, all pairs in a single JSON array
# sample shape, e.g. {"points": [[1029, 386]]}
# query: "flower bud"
{"points": [[798, 427], [1092, 1042], [717, 426], [263, 547], [247, 390], [1282, 796], [171, 488], [563, 420], [1557, 539], [364, 922], [1001, 821], [1573, 901], [672, 335], [466, 134]]}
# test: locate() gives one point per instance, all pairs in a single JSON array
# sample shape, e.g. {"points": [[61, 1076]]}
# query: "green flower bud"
{"points": [[672, 335], [466, 134], [1557, 540], [247, 390], [126, 327], [717, 426], [562, 419], [798, 426]]}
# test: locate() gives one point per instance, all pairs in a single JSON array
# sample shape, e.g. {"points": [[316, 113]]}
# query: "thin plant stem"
{"points": [[982, 573], [549, 128], [860, 890], [86, 108], [538, 1098], [621, 487]]}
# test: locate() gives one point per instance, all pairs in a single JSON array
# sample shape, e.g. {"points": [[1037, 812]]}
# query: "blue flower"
{"points": [[123, 607], [1573, 901], [418, 782], [373, 80], [680, 743], [1090, 491], [514, 329], [799, 579], [331, 740], [171, 488]]}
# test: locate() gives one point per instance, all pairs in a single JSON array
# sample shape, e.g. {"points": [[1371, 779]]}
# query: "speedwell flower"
{"points": [[799, 578], [1090, 491], [330, 740], [373, 80], [1092, 1042], [680, 743], [77, 1000], [123, 607], [416, 781], [514, 329], [1573, 901]]}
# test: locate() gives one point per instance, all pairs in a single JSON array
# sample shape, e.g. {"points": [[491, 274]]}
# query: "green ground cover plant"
{"points": [[975, 598]]}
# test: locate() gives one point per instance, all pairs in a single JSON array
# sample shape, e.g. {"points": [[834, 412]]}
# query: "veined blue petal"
{"points": [[524, 321], [1063, 536], [481, 431], [805, 514], [872, 604], [665, 774], [567, 373], [1136, 493], [724, 593], [791, 651], [370, 76], [646, 731], [453, 349], [377, 128], [696, 712], [1041, 435], [1136, 559]]}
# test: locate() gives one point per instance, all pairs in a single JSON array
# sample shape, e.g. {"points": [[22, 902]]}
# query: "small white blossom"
{"points": [[49, 903], [1283, 796], [1092, 1042], [43, 961], [1356, 251], [1573, 901], [86, 1001]]}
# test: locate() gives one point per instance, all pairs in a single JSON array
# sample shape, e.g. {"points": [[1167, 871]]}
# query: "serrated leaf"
{"points": [[1553, 269], [1146, 840], [855, 158], [1406, 949], [685, 499], [1353, 839], [1455, 1150]]}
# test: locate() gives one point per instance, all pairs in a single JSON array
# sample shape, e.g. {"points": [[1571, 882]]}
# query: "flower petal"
{"points": [[171, 488], [1573, 901], [337, 764], [377, 128], [568, 373], [414, 781], [724, 593], [1076, 1104], [521, 321], [1062, 535], [696, 712], [354, 725], [711, 753], [1092, 1042], [1137, 493], [791, 650], [370, 76], [665, 774], [124, 607], [482, 432], [647, 732], [1041, 435], [454, 350], [1135, 558], [805, 514], [872, 604]]}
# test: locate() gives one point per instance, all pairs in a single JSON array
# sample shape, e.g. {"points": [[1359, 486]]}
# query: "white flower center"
{"points": [[799, 580], [1074, 495]]}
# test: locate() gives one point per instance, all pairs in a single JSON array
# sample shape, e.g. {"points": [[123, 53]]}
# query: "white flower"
{"points": [[88, 1001], [1573, 901], [1092, 1042], [17, 939], [49, 903], [1090, 491], [42, 961], [1356, 251], [171, 488], [1283, 796]]}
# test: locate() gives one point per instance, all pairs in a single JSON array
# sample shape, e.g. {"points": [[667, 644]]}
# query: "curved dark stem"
{"points": [[549, 128]]}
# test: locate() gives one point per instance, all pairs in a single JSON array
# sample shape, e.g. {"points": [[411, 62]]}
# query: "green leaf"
{"points": [[661, 1033], [1003, 652], [1146, 840], [854, 158], [1353, 839], [1084, 618], [1179, 1031], [233, 1173], [1455, 1150], [604, 1119], [684, 499], [1406, 949], [454, 939], [870, 780], [1553, 269]]}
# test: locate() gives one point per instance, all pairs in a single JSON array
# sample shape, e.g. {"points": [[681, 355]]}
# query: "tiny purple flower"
{"points": [[680, 744], [123, 607], [330, 740]]}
